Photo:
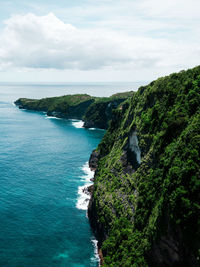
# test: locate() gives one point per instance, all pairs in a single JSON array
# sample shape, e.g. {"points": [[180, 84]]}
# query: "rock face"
{"points": [[134, 147], [144, 208], [99, 113], [93, 161]]}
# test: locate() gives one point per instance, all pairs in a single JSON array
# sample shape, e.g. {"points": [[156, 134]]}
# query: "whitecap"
{"points": [[77, 123], [51, 117]]}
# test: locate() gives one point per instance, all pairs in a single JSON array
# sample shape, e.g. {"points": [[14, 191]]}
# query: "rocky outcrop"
{"points": [[134, 147], [93, 160]]}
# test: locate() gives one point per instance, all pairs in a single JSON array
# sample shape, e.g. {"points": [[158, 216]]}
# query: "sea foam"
{"points": [[95, 258], [83, 201], [83, 194], [77, 123], [51, 117]]}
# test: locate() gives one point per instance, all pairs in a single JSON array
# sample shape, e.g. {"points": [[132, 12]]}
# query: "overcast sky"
{"points": [[97, 40]]}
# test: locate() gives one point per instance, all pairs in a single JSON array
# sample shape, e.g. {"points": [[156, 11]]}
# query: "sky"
{"points": [[97, 40]]}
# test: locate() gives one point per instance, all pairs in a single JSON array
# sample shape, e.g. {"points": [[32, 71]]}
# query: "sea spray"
{"points": [[83, 201], [95, 258], [51, 117], [77, 123], [83, 194]]}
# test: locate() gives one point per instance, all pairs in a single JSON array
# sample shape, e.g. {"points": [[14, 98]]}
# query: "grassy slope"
{"points": [[150, 217]]}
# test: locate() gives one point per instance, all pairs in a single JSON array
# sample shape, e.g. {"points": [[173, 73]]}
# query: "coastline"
{"points": [[85, 191], [93, 164], [77, 123], [84, 196]]}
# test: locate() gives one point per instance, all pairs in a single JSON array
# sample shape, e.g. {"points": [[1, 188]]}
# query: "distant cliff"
{"points": [[145, 205], [99, 113], [94, 111], [68, 106]]}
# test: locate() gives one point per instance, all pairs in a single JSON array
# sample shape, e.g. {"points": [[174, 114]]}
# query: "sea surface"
{"points": [[43, 169]]}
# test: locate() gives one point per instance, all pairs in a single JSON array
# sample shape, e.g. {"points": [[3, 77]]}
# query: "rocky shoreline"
{"points": [[93, 164]]}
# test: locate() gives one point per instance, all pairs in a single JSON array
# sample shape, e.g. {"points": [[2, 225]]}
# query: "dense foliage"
{"points": [[95, 111], [68, 106], [100, 112], [148, 215]]}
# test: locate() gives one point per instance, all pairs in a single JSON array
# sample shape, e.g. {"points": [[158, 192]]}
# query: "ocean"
{"points": [[43, 169]]}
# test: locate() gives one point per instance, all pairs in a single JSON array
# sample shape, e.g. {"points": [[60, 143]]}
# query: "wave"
{"points": [[95, 258], [77, 123], [51, 117], [83, 194], [83, 198], [96, 129], [83, 201], [88, 173]]}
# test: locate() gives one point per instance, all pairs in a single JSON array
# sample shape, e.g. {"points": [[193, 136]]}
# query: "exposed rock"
{"points": [[88, 190], [93, 161], [98, 227], [134, 147], [88, 124], [170, 251]]}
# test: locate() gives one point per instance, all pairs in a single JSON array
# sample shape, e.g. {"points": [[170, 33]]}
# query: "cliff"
{"points": [[99, 113], [68, 106], [94, 111], [145, 207]]}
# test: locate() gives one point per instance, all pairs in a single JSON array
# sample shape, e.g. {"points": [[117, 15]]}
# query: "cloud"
{"points": [[46, 42], [173, 9]]}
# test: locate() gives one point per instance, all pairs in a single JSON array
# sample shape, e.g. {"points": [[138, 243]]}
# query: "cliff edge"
{"points": [[145, 208], [96, 112]]}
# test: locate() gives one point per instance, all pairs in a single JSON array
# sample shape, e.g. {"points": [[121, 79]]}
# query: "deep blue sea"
{"points": [[43, 169]]}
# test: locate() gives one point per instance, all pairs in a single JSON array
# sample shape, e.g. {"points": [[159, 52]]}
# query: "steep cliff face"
{"points": [[99, 114], [145, 204]]}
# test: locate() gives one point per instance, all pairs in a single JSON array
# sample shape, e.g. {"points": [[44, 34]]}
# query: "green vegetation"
{"points": [[68, 106], [148, 214], [95, 111], [100, 112]]}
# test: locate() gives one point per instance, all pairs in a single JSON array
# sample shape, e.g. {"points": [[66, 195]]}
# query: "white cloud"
{"points": [[46, 42], [176, 9]]}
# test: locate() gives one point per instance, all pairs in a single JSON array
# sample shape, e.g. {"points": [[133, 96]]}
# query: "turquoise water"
{"points": [[43, 167]]}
